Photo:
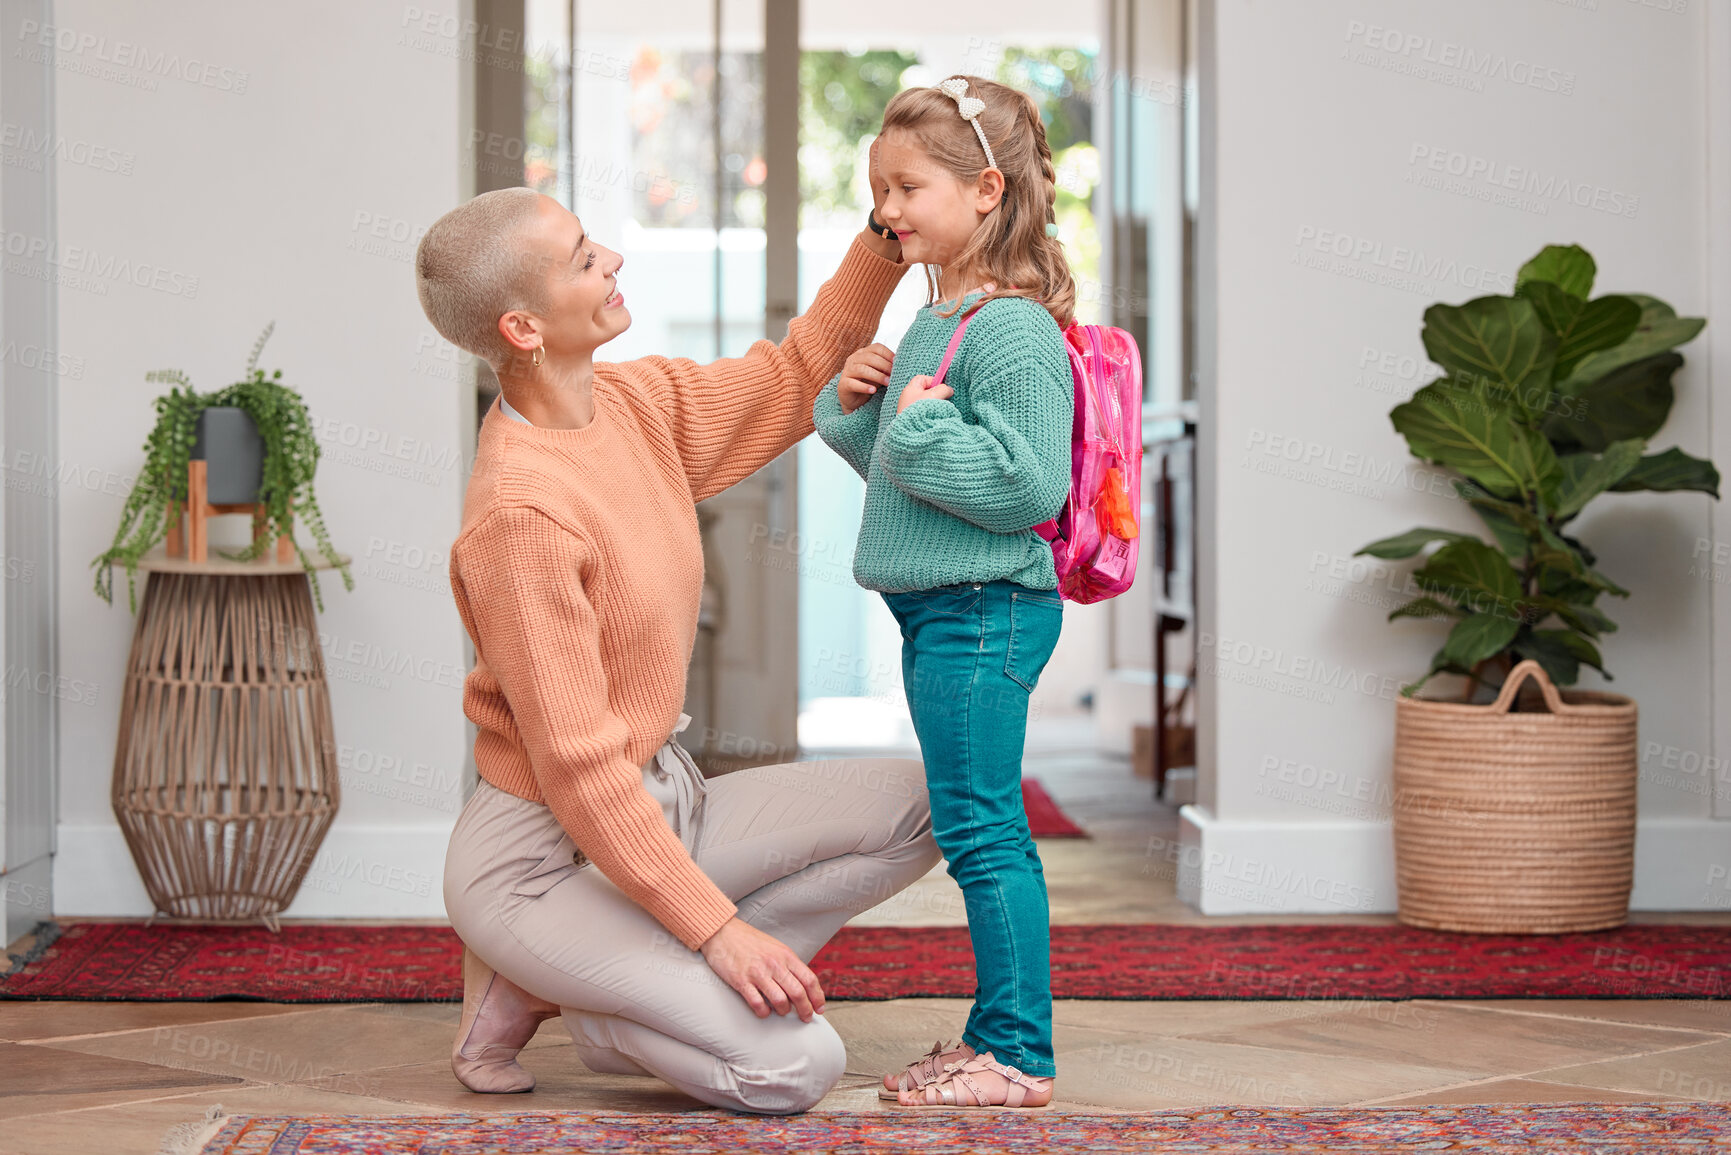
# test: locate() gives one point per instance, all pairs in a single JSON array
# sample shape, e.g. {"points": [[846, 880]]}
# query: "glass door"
{"points": [[650, 123], [665, 106], [850, 686]]}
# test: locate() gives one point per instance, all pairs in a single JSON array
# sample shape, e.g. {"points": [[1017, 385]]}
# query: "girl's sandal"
{"points": [[925, 1070], [960, 1086]]}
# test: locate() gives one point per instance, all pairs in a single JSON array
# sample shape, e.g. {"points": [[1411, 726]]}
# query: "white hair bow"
{"points": [[970, 107]]}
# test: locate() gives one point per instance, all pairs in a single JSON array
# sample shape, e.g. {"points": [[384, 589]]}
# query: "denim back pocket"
{"points": [[1036, 617]]}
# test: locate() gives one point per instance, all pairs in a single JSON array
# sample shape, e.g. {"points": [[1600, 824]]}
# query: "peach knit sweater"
{"points": [[578, 569]]}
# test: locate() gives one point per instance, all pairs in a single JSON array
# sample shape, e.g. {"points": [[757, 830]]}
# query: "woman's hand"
{"points": [[867, 370], [875, 175], [764, 970], [890, 247], [918, 388]]}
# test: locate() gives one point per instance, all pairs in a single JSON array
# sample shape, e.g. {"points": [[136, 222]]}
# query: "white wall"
{"points": [[321, 122], [29, 369], [1314, 203]]}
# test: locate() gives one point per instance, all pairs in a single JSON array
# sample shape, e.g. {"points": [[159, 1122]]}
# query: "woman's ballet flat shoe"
{"points": [[499, 1019], [924, 1070], [959, 1086]]}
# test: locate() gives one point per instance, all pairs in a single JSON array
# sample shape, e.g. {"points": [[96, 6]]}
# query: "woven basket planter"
{"points": [[1516, 822]]}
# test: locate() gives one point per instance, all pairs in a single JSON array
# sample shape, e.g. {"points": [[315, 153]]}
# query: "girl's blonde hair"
{"points": [[1010, 247]]}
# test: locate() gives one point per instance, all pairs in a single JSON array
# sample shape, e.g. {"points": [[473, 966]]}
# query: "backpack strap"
{"points": [[1049, 529], [955, 343]]}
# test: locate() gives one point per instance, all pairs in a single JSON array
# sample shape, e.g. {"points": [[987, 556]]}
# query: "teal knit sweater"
{"points": [[954, 487]]}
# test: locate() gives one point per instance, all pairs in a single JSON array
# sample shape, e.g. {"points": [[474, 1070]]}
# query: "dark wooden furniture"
{"points": [[1171, 464]]}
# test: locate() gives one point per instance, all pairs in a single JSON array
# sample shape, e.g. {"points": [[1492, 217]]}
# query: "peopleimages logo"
{"points": [[1461, 59], [22, 146], [1490, 179], [90, 49], [1396, 266], [91, 263]]}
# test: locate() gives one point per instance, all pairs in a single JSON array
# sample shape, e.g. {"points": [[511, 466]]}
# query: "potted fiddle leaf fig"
{"points": [[257, 440], [1547, 401], [1518, 816]]}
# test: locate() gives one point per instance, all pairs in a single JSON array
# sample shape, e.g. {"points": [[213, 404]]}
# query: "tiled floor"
{"points": [[114, 1078], [79, 1079]]}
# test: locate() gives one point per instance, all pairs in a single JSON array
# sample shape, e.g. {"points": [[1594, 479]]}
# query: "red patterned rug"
{"points": [[1045, 818], [1559, 1129], [344, 962]]}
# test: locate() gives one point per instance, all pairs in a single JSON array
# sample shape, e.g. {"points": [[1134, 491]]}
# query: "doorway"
{"points": [[675, 136]]}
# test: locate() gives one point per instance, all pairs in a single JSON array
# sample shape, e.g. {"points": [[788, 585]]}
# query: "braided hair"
{"points": [[1011, 246]]}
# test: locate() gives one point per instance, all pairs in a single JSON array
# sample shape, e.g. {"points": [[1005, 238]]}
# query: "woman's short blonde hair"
{"points": [[471, 269]]}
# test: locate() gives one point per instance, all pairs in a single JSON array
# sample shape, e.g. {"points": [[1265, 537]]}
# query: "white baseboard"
{"points": [[1221, 867], [26, 897], [1284, 867], [359, 872], [1682, 864], [1348, 867]]}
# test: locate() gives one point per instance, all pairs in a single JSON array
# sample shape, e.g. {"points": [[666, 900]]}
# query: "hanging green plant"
{"points": [[285, 494]]}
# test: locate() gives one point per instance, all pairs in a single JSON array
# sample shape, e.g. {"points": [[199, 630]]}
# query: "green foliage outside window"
{"points": [[842, 101], [547, 80], [1061, 82], [842, 96]]}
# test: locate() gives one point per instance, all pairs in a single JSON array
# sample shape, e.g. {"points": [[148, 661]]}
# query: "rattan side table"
{"points": [[225, 770]]}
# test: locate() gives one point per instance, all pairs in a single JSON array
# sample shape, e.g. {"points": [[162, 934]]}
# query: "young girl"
{"points": [[958, 473]]}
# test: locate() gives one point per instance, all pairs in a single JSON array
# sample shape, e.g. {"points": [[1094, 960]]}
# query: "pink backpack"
{"points": [[1094, 536]]}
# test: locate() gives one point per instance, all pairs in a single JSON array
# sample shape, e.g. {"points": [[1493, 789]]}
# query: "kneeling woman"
{"points": [[595, 874]]}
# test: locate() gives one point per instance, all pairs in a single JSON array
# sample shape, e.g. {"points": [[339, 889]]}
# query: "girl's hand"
{"points": [[919, 388], [764, 970], [866, 371]]}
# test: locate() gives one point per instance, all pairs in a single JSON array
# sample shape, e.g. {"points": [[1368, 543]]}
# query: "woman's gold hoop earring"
{"points": [[538, 355]]}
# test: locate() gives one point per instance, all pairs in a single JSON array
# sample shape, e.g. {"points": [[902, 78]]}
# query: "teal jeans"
{"points": [[971, 654]]}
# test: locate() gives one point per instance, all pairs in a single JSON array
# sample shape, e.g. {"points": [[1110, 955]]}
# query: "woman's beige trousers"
{"points": [[799, 847]]}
